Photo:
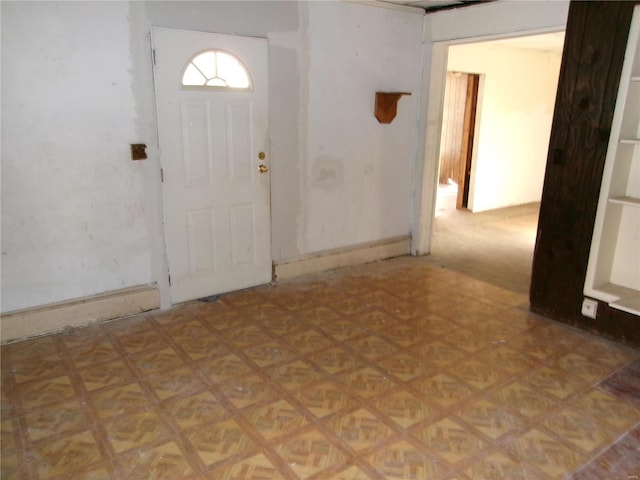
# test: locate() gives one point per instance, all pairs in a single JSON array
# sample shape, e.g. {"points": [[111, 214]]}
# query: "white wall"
{"points": [[80, 218], [73, 216], [515, 112], [358, 171]]}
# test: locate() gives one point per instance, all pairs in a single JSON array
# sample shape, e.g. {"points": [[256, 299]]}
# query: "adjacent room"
{"points": [[497, 113], [221, 255]]}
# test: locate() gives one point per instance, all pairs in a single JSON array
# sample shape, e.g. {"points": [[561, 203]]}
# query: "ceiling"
{"points": [[431, 5]]}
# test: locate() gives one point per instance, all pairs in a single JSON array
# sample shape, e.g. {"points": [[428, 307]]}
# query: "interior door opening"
{"points": [[494, 138]]}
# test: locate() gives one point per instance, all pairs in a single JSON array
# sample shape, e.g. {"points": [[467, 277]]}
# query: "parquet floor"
{"points": [[394, 370]]}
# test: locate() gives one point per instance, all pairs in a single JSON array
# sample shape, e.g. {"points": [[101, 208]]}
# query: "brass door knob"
{"points": [[263, 169]]}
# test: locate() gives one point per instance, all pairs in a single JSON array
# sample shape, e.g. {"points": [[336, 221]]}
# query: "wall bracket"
{"points": [[387, 105]]}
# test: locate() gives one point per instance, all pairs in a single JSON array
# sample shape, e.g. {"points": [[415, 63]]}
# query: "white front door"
{"points": [[213, 153]]}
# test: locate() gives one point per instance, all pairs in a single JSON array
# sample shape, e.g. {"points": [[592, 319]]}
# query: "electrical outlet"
{"points": [[589, 307]]}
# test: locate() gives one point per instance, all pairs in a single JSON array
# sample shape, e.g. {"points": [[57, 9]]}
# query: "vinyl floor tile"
{"points": [[175, 381], [367, 382], [7, 436], [551, 456], [195, 410], [204, 347], [405, 409], [554, 382], [624, 384], [106, 375], [223, 369], [11, 467], [507, 359], [164, 461], [361, 430], [577, 365], [372, 347], [46, 392], [478, 374], [156, 361], [44, 423], [268, 353], [256, 467], [523, 399], [134, 430], [310, 453], [141, 341], [38, 369], [66, 454], [382, 371], [325, 399], [579, 429], [450, 440], [294, 376], [489, 418], [404, 366], [113, 401], [443, 389], [275, 419], [497, 466], [611, 410], [246, 391], [335, 360], [219, 441], [352, 473], [405, 461], [93, 354]]}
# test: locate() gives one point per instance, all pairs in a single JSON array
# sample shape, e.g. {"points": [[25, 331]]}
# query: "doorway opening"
{"points": [[458, 132], [497, 111]]}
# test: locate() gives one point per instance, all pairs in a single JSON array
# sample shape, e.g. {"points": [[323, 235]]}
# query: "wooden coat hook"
{"points": [[387, 105]]}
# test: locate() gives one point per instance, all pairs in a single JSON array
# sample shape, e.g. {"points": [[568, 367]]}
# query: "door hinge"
{"points": [[169, 279], [153, 53], [161, 175]]}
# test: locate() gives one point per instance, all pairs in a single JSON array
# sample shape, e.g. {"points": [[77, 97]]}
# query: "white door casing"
{"points": [[216, 201]]}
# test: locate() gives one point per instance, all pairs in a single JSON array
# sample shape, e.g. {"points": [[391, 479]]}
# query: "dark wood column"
{"points": [[595, 43]]}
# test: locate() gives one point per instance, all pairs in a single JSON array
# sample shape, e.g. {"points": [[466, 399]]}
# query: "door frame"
{"points": [[435, 60]]}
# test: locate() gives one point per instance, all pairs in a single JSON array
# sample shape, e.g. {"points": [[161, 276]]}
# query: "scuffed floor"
{"points": [[394, 370], [495, 246]]}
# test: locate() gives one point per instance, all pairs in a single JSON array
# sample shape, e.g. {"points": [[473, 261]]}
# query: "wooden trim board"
{"points": [[344, 257], [56, 317]]}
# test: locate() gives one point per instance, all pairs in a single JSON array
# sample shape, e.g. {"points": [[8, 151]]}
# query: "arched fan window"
{"points": [[216, 69]]}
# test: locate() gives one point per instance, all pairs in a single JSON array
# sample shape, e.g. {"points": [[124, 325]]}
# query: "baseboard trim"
{"points": [[31, 322], [343, 257]]}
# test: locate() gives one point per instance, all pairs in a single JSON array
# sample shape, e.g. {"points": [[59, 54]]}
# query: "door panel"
{"points": [[216, 202], [202, 247], [452, 127], [242, 221], [239, 141], [195, 131]]}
